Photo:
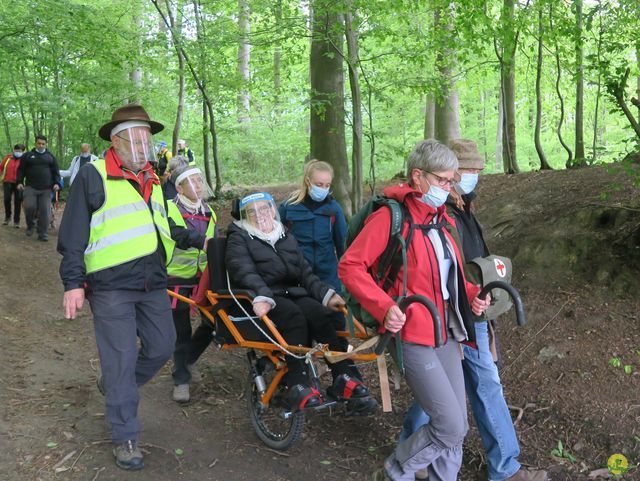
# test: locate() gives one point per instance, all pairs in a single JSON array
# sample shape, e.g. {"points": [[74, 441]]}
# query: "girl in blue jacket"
{"points": [[317, 222]]}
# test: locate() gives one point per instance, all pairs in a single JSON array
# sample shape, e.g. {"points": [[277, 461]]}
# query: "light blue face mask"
{"points": [[17, 154], [467, 183], [435, 196], [318, 193], [40, 151]]}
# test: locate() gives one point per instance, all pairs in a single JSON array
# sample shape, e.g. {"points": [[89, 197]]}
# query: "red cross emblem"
{"points": [[501, 269]]}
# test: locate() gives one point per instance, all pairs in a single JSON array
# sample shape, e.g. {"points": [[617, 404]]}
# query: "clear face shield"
{"points": [[259, 211], [193, 185], [135, 147]]}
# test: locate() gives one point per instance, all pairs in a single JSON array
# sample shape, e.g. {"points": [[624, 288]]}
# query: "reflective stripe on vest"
{"points": [[125, 228], [186, 264]]}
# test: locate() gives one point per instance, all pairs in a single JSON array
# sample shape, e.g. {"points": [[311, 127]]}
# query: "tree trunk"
{"points": [[5, 125], [596, 112], [429, 118], [27, 134], [508, 85], [327, 139], [446, 116], [483, 123], [356, 107], [135, 75], [638, 78], [544, 165], [499, 130], [205, 141], [244, 54], [579, 158], [277, 54], [558, 92], [176, 24]]}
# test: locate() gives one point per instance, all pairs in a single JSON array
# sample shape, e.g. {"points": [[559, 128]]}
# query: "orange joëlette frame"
{"points": [[210, 311]]}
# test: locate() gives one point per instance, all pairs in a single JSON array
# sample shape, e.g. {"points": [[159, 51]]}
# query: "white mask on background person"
{"points": [[467, 183], [41, 150], [17, 154]]}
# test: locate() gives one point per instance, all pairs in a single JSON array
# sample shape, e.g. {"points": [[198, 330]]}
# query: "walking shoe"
{"points": [[196, 376], [529, 475], [422, 474], [302, 397], [380, 475], [16, 225], [128, 456], [181, 393], [43, 238], [6, 222], [100, 384], [29, 231]]}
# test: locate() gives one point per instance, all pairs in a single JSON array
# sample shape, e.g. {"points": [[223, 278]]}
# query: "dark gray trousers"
{"points": [[119, 318], [436, 379], [39, 201]]}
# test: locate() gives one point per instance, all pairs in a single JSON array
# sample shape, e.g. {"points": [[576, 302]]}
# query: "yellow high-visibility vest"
{"points": [[125, 228], [186, 264]]}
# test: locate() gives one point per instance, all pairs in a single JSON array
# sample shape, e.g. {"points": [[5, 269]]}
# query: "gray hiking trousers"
{"points": [[436, 379], [119, 318]]}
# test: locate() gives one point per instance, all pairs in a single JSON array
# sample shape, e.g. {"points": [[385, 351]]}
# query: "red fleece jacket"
{"points": [[423, 276]]}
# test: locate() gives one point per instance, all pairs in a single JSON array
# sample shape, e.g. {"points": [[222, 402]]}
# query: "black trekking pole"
{"points": [[403, 305], [513, 293]]}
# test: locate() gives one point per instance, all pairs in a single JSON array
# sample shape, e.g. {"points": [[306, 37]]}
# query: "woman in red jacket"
{"points": [[8, 174], [434, 270]]}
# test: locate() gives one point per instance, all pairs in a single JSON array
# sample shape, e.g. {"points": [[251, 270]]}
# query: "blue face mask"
{"points": [[435, 196], [17, 155], [467, 183], [318, 193], [41, 151]]}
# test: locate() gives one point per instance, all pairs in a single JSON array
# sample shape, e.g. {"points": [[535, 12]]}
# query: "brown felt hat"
{"points": [[467, 153], [125, 114]]}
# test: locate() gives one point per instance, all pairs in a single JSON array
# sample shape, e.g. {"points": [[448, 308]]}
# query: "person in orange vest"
{"points": [[9, 175]]}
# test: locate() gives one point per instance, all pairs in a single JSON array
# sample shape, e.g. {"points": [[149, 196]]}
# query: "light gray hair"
{"points": [[431, 156], [176, 162]]}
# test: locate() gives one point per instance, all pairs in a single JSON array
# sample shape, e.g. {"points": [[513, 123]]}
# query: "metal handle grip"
{"points": [[513, 293], [403, 305]]}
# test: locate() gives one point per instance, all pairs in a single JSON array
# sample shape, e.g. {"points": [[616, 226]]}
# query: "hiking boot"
{"points": [[29, 231], [128, 456], [16, 225], [529, 475], [196, 376], [6, 222], [302, 397], [380, 475], [422, 474], [181, 393], [43, 238]]}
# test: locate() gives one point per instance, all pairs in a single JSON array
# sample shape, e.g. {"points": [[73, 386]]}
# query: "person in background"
{"points": [[9, 175], [482, 381], [435, 270], [317, 222], [38, 175], [186, 151], [168, 187], [188, 209], [78, 161], [163, 157]]}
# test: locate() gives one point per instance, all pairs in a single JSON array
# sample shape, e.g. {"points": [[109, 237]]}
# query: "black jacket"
{"points": [[40, 169], [267, 271], [144, 274], [469, 228]]}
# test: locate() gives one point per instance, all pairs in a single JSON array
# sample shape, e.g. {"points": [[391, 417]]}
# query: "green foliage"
{"points": [[561, 452], [69, 65]]}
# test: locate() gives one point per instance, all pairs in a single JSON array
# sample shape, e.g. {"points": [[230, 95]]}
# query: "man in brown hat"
{"points": [[116, 240]]}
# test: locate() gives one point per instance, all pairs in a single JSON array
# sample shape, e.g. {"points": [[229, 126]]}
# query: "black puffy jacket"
{"points": [[279, 270]]}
